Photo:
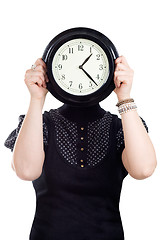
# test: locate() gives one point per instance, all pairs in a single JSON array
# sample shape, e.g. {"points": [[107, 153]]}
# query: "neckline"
{"points": [[81, 114]]}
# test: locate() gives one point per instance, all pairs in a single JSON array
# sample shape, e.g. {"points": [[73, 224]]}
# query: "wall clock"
{"points": [[80, 66]]}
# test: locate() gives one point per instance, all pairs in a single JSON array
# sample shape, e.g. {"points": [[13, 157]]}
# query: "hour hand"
{"points": [[85, 61]]}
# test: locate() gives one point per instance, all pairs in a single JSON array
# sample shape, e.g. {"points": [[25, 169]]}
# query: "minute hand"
{"points": [[88, 75]]}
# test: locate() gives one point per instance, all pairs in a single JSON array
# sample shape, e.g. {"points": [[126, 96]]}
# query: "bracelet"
{"points": [[127, 107], [125, 101]]}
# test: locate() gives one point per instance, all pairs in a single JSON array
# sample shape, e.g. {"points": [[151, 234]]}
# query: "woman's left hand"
{"points": [[123, 78]]}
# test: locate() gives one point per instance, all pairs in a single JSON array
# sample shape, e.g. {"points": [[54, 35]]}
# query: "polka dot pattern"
{"points": [[119, 138], [10, 141], [120, 134], [67, 138], [98, 139]]}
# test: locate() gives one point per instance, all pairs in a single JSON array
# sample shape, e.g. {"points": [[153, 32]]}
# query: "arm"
{"points": [[28, 153], [139, 156]]}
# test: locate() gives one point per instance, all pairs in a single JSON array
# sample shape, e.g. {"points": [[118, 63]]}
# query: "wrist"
{"points": [[39, 101], [121, 98]]}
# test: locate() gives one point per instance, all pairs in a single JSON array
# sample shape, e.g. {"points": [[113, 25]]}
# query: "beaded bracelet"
{"points": [[127, 107], [125, 101]]}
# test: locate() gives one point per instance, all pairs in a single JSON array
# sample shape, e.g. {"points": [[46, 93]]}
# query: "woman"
{"points": [[77, 159]]}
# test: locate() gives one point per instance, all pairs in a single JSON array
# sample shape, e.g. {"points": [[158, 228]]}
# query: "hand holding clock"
{"points": [[36, 79], [65, 56], [123, 78]]}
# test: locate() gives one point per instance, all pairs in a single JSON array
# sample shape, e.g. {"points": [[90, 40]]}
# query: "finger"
{"points": [[46, 78], [41, 73], [122, 59], [34, 80], [42, 76], [40, 62], [121, 66], [122, 78], [40, 68], [118, 82], [122, 73], [118, 60], [39, 81], [37, 74]]}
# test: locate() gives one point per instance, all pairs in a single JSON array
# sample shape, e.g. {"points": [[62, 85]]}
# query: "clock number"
{"points": [[70, 50], [100, 67], [70, 83], [64, 57], [98, 56], [80, 86], [59, 66], [90, 49], [80, 47], [63, 76]]}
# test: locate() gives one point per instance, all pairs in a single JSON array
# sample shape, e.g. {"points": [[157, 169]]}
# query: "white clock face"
{"points": [[80, 67]]}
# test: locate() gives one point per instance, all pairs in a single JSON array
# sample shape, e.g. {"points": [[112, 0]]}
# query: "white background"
{"points": [[26, 29]]}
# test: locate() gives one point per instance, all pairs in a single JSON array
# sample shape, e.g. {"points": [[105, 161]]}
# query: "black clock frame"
{"points": [[104, 43]]}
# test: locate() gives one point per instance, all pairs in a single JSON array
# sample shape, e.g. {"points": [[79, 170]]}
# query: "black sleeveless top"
{"points": [[78, 192]]}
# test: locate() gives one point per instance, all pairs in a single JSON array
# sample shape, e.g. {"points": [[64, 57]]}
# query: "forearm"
{"points": [[28, 151], [141, 157]]}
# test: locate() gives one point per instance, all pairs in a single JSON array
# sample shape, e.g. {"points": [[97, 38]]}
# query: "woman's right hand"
{"points": [[36, 80]]}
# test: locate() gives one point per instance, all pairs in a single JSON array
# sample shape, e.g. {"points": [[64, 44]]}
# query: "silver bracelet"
{"points": [[127, 107]]}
